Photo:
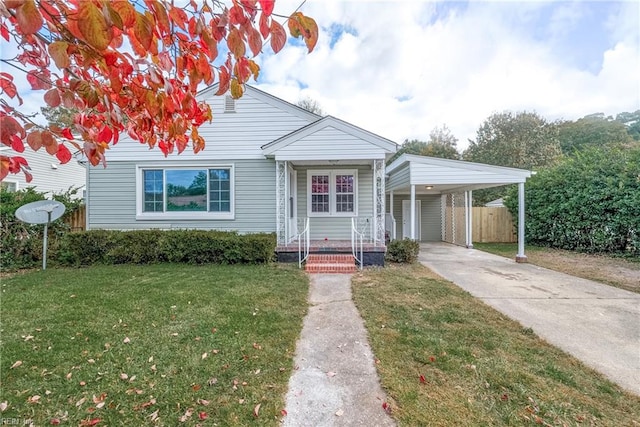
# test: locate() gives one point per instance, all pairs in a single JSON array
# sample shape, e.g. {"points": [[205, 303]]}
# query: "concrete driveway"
{"points": [[596, 323]]}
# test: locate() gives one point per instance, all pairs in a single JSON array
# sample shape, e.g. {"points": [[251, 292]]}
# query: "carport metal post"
{"points": [[521, 257], [412, 216], [468, 204]]}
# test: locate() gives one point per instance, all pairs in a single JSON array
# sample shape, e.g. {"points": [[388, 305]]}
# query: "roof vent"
{"points": [[229, 104]]}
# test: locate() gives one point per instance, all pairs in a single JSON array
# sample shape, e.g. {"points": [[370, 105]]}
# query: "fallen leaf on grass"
{"points": [[195, 387], [81, 401], [54, 421], [204, 355], [257, 371], [212, 381], [283, 412], [186, 416], [33, 399], [257, 346], [98, 399], [89, 423], [203, 415], [16, 364], [256, 410], [153, 368], [423, 380], [126, 340], [28, 337], [154, 415], [124, 376], [82, 383], [3, 406], [386, 407], [202, 402]]}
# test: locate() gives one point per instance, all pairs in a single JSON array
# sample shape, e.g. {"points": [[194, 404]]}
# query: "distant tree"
{"points": [[59, 116], [520, 140], [632, 122], [594, 129], [311, 105], [441, 144]]}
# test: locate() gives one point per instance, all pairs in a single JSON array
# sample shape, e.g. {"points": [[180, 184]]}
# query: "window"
{"points": [[186, 192], [332, 193], [9, 186]]}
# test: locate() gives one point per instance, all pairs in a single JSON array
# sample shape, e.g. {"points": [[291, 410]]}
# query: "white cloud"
{"points": [[408, 66]]}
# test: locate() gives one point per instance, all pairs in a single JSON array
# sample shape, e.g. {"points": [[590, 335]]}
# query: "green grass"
{"points": [[222, 334], [479, 367]]}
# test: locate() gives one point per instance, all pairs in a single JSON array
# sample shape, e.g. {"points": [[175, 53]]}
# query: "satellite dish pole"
{"points": [[41, 212]]}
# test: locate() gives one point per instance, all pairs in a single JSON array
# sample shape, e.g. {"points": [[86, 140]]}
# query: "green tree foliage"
{"points": [[59, 116], [632, 122], [589, 203], [442, 143], [521, 140], [594, 129]]}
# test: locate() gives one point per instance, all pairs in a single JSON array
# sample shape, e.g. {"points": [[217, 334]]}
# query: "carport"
{"points": [[425, 194]]}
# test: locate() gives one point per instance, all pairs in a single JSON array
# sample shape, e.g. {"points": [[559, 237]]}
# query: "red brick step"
{"points": [[330, 263]]}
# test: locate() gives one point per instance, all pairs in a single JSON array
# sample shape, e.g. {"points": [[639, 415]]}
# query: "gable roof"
{"points": [[327, 122], [264, 97]]}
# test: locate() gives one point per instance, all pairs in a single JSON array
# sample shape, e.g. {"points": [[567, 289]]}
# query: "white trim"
{"points": [[332, 192], [459, 164], [12, 181], [161, 216]]}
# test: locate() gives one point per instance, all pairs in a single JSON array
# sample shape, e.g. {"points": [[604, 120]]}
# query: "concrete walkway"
{"points": [[335, 382], [596, 323]]}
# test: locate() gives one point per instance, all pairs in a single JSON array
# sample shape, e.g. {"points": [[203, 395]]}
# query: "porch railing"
{"points": [[304, 242], [356, 242]]}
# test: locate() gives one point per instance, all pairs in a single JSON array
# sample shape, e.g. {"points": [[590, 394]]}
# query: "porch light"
{"points": [[428, 187]]}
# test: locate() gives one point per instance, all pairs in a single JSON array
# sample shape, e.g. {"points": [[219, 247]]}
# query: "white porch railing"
{"points": [[357, 237], [304, 242]]}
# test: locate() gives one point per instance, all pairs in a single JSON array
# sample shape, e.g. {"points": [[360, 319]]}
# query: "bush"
{"points": [[404, 251], [21, 243], [177, 246], [588, 203]]}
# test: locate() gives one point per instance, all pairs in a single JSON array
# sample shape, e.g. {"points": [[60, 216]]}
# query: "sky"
{"points": [[401, 68]]}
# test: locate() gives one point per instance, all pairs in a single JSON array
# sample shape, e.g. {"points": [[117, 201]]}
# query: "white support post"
{"points": [[470, 219], [466, 219], [521, 257], [412, 216], [374, 233], [281, 202], [393, 232]]}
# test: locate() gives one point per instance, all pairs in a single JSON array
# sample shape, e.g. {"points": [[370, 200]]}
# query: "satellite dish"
{"points": [[40, 212]]}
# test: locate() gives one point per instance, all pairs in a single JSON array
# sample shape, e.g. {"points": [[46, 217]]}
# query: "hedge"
{"points": [[588, 203], [403, 251], [174, 246]]}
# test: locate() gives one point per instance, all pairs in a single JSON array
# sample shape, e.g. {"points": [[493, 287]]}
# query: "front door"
{"points": [[406, 219], [292, 203]]}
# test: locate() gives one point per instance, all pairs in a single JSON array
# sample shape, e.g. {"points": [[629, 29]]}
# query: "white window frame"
{"points": [[183, 215], [332, 192], [15, 183]]}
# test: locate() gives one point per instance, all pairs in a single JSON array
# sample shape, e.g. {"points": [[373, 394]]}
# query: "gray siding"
{"points": [[112, 199], [338, 228], [398, 178], [430, 219]]}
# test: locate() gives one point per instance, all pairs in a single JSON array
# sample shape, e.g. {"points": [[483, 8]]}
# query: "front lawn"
{"points": [[150, 345], [446, 359]]}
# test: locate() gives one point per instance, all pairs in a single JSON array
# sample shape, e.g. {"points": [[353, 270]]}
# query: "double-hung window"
{"points": [[186, 192], [332, 193]]}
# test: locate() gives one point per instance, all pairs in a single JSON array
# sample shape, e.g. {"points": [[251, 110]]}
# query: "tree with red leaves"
{"points": [[130, 66]]}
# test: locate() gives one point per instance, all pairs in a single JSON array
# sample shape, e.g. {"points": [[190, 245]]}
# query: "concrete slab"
{"points": [[596, 323], [335, 383]]}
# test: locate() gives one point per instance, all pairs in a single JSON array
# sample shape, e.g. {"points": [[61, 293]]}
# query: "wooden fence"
{"points": [[490, 225], [77, 220]]}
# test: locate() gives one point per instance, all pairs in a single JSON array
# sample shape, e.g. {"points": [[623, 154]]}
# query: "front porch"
{"points": [[372, 253]]}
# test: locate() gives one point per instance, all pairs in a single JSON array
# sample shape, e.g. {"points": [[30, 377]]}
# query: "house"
{"points": [[49, 176], [319, 183]]}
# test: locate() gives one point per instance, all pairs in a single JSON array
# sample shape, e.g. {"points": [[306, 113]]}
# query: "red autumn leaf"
{"points": [[52, 98], [143, 32], [267, 6], [34, 139], [386, 407], [235, 43], [300, 25], [432, 358], [264, 26], [63, 154], [4, 31], [90, 422], [283, 412], [29, 18], [278, 36], [17, 144], [9, 127], [196, 387], [93, 26], [54, 421], [67, 133], [39, 79], [202, 415], [255, 41], [422, 379], [504, 397]]}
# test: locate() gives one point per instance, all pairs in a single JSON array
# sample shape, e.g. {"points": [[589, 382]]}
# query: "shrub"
{"points": [[588, 203], [404, 251], [177, 246], [21, 243]]}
